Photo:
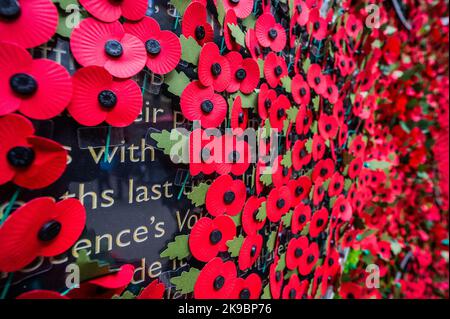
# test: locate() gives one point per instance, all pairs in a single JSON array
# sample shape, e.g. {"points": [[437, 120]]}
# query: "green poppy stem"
{"points": [[108, 144], [10, 206], [7, 285]]}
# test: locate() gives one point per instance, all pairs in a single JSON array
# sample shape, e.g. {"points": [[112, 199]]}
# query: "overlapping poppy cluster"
{"points": [[358, 96]]}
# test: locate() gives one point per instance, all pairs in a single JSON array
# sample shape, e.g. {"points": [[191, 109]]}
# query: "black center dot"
{"points": [[9, 9], [215, 237], [153, 47], [113, 48], [107, 99], [229, 197], [200, 32], [219, 282], [207, 106], [216, 69], [23, 84], [49, 231], [20, 156]]}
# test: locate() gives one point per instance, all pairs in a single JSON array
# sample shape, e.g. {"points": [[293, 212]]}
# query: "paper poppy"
{"points": [[230, 41], [318, 26], [217, 280], [252, 44], [201, 152], [213, 68], [275, 280], [309, 259], [199, 103], [250, 223], [248, 288], [342, 208], [163, 47], [282, 174], [278, 203], [41, 295], [40, 89], [110, 11], [226, 196], [318, 192], [295, 289], [331, 262], [300, 90], [319, 147], [323, 169], [337, 184], [319, 222], [98, 98], [278, 112], [250, 251], [195, 24], [350, 290], [209, 237], [316, 79], [355, 168], [342, 135], [300, 155], [357, 146], [328, 126], [331, 92], [300, 189], [244, 73], [26, 160], [239, 116], [155, 290], [27, 23], [270, 34], [236, 155], [300, 217], [302, 10], [303, 120], [353, 26], [266, 98], [295, 250], [41, 227], [338, 111], [104, 287], [242, 8], [107, 45], [274, 69]]}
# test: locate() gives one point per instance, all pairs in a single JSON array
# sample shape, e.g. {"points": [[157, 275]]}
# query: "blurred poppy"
{"points": [[250, 223], [217, 280], [278, 203], [300, 217], [248, 288], [270, 34], [250, 251], [226, 196], [110, 11], [195, 24], [274, 69]]}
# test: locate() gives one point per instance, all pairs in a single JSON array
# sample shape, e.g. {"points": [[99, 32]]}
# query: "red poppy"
{"points": [[110, 11], [300, 189], [337, 184], [199, 103], [209, 237], [302, 10], [236, 155], [250, 251], [98, 98], [248, 288], [338, 111], [331, 262], [392, 49], [303, 120], [331, 92], [226, 196], [342, 208], [309, 259], [195, 24], [323, 169], [328, 126], [155, 290], [319, 147], [163, 47], [343, 134], [239, 116], [41, 227], [28, 161], [316, 79], [274, 69], [230, 42], [41, 295], [300, 91], [28, 23], [318, 26], [295, 250], [355, 168], [357, 146], [266, 98], [252, 44], [282, 175], [249, 222], [353, 26], [278, 203], [295, 289], [300, 217], [104, 287], [275, 280], [350, 290], [270, 34], [107, 45], [201, 154], [319, 192], [242, 8], [319, 222], [278, 112], [213, 68], [217, 280], [30, 86], [244, 73]]}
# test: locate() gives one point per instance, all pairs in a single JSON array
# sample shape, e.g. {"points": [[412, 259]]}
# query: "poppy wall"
{"points": [[126, 170]]}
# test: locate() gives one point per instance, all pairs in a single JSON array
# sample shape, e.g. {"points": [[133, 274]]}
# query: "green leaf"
{"points": [[286, 82], [180, 5], [237, 219], [190, 50], [266, 292], [261, 67], [292, 114], [185, 283], [287, 219], [270, 245], [316, 103], [127, 295], [290, 273], [262, 213], [249, 22], [375, 165], [326, 184], [238, 34], [69, 20], [266, 129], [234, 245], [332, 201], [177, 82], [281, 265], [166, 140], [198, 194], [309, 145], [91, 268], [347, 184], [178, 249], [287, 159], [248, 100], [266, 179], [396, 247], [305, 230], [306, 65], [220, 12]]}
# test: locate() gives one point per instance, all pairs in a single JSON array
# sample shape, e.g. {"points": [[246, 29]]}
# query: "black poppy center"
{"points": [[299, 9], [330, 262], [207, 106], [328, 127], [343, 63], [255, 214], [235, 2], [268, 103], [319, 222], [241, 118], [354, 27], [302, 219], [107, 99], [317, 80], [280, 203], [49, 231], [216, 69], [219, 282], [342, 208], [305, 120], [316, 25], [278, 276], [153, 47], [323, 172], [337, 185], [23, 84], [310, 259], [200, 32], [302, 153], [278, 70], [253, 251], [20, 156], [273, 34], [113, 48], [302, 92], [298, 253], [281, 113], [9, 9], [285, 171], [241, 74], [234, 157], [244, 294], [229, 197], [215, 237], [299, 190]]}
